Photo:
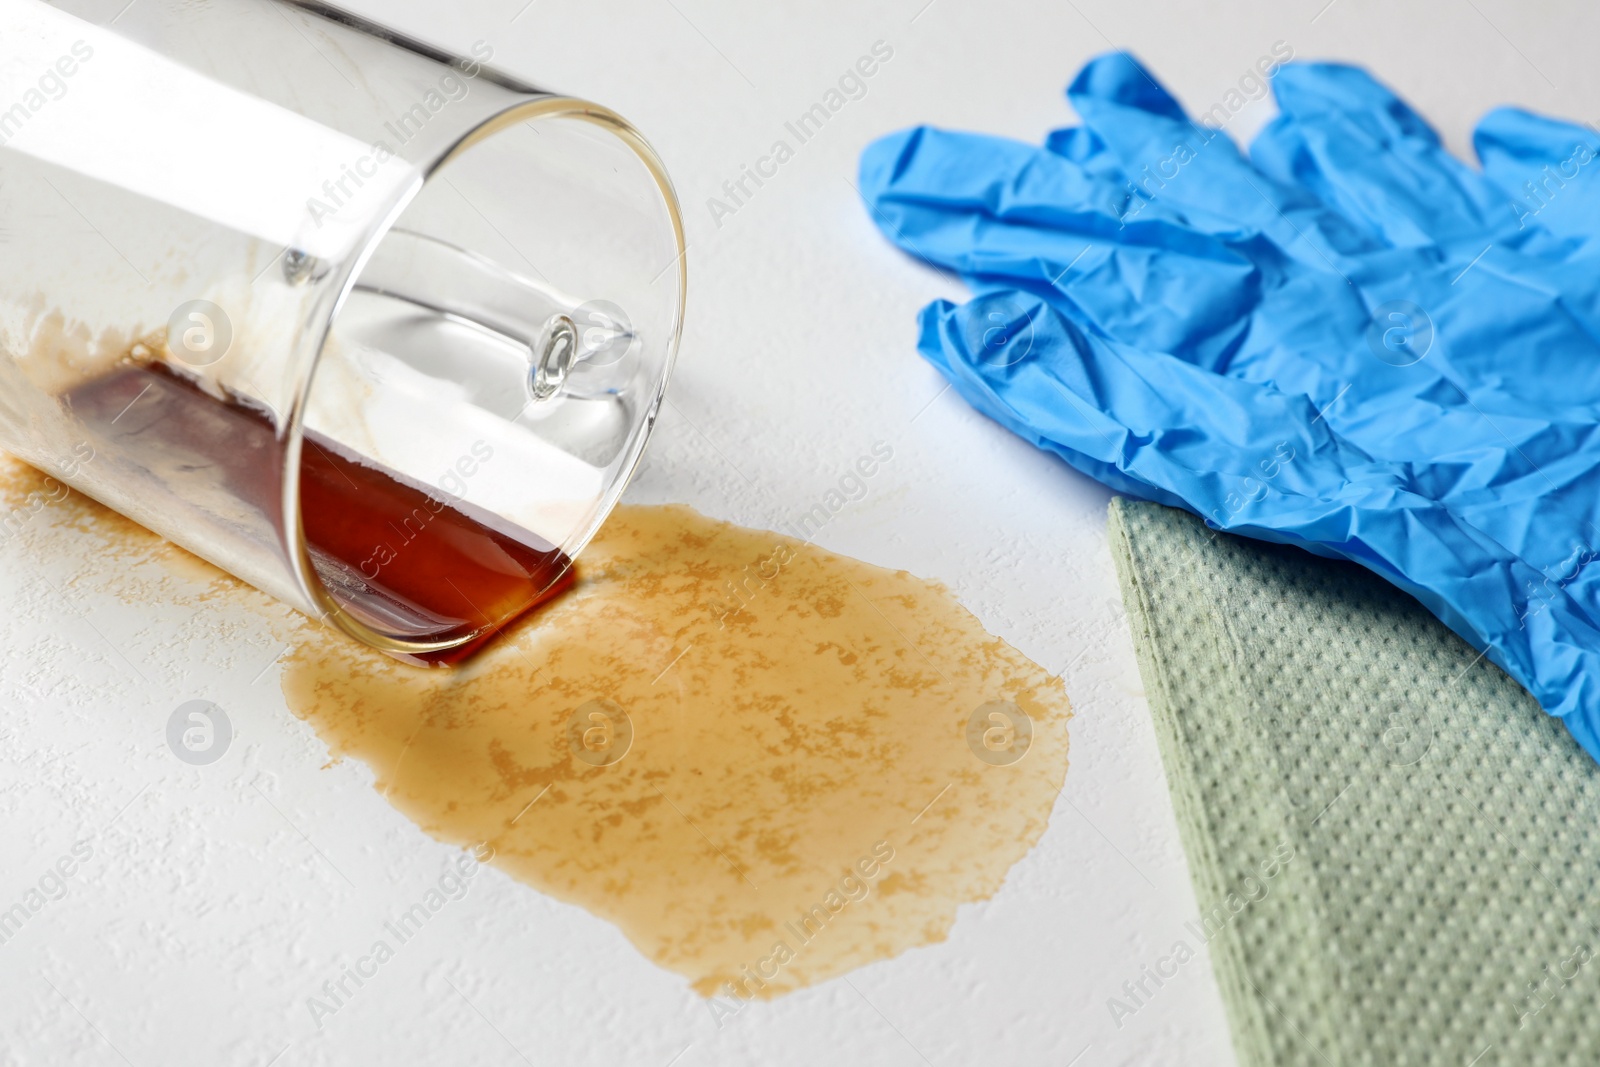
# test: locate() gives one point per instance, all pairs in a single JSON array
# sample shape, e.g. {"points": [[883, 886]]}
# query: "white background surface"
{"points": [[223, 896]]}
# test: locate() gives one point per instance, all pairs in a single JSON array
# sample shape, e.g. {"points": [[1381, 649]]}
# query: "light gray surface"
{"points": [[206, 918]]}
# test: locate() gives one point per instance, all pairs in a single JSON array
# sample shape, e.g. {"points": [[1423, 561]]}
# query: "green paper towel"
{"points": [[1436, 891]]}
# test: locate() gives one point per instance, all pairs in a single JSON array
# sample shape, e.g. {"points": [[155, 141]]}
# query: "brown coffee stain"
{"points": [[53, 352], [779, 753], [799, 797]]}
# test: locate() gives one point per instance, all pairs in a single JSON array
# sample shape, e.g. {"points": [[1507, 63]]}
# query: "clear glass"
{"points": [[377, 329]]}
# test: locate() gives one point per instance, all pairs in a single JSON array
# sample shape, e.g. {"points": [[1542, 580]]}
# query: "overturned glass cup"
{"points": [[377, 329]]}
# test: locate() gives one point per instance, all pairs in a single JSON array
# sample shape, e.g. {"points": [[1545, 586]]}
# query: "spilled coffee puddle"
{"points": [[766, 764], [768, 795]]}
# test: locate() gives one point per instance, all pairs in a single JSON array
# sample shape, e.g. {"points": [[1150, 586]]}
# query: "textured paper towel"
{"points": [[1439, 903]]}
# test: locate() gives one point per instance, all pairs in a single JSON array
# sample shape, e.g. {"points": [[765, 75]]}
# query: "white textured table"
{"points": [[215, 899]]}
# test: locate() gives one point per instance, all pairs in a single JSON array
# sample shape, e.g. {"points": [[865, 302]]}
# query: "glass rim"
{"points": [[543, 106]]}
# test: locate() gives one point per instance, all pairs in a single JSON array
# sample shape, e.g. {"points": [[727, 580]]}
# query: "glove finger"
{"points": [[1363, 151], [1171, 159], [973, 203], [1545, 167], [1008, 215], [1262, 463]]}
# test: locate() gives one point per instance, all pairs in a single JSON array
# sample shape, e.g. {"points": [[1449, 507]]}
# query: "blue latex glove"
{"points": [[1349, 341]]}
